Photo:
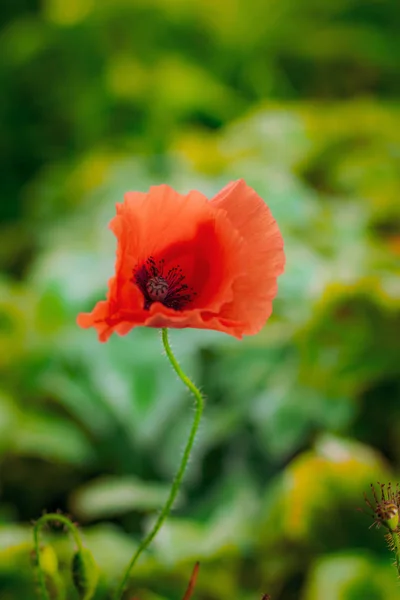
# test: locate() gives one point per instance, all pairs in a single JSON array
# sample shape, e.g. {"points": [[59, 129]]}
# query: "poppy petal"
{"points": [[181, 228], [216, 261], [262, 252]]}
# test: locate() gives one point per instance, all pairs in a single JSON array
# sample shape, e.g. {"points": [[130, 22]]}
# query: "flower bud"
{"points": [[85, 573], [49, 570], [48, 560]]}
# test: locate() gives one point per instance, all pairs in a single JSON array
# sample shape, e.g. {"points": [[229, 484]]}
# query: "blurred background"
{"points": [[302, 100]]}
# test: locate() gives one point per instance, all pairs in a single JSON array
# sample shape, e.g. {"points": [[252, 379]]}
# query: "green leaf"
{"points": [[112, 496]]}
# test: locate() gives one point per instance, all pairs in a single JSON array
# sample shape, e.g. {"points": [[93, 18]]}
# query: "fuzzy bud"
{"points": [[48, 560], [85, 573], [49, 570]]}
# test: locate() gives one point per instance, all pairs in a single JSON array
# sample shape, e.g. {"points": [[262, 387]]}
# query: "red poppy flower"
{"points": [[185, 261]]}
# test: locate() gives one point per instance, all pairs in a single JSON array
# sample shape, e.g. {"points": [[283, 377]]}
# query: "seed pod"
{"points": [[386, 508], [388, 515], [85, 573]]}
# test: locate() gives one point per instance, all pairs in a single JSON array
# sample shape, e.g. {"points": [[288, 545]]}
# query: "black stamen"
{"points": [[159, 287]]}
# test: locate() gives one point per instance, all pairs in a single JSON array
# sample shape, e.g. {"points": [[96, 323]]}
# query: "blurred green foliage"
{"points": [[301, 100]]}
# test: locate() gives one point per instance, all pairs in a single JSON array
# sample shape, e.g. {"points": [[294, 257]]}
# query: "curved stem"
{"points": [[39, 523], [176, 484]]}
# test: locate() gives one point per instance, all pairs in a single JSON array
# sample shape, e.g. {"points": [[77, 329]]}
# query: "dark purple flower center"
{"points": [[156, 286]]}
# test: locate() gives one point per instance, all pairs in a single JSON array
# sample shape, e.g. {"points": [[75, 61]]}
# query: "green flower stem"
{"points": [[176, 484], [396, 548], [55, 517]]}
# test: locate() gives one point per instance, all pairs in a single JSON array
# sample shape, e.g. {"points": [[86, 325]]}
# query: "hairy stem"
{"points": [[396, 548], [177, 481]]}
